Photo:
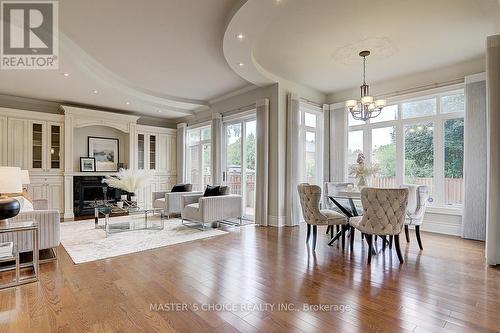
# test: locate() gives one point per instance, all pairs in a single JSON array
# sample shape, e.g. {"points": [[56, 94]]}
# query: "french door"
{"points": [[239, 161]]}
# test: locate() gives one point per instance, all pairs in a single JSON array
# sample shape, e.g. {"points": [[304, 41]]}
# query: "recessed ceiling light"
{"points": [[241, 64], [95, 91], [128, 103], [240, 36], [66, 74]]}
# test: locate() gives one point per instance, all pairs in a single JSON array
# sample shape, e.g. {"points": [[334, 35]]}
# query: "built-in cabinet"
{"points": [[50, 188], [45, 145], [34, 141], [156, 153]]}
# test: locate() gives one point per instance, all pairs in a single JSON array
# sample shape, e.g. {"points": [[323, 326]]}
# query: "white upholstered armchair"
{"points": [[171, 201], [204, 210], [418, 200], [310, 196], [384, 212]]}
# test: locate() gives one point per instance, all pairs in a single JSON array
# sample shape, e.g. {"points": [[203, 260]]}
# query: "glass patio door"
{"points": [[239, 161]]}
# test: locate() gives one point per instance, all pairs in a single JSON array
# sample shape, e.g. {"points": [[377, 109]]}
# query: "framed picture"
{"points": [[106, 152], [87, 164]]}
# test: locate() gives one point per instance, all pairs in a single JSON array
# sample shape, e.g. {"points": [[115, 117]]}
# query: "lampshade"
{"points": [[367, 100], [10, 180], [380, 102], [351, 103], [25, 177]]}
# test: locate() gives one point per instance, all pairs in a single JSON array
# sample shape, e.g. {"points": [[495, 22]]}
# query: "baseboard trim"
{"points": [[276, 221]]}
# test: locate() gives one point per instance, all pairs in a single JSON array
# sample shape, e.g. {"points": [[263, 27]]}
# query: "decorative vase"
{"points": [[362, 181]]}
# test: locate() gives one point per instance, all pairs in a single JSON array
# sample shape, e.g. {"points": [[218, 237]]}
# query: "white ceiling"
{"points": [[163, 56], [317, 42]]}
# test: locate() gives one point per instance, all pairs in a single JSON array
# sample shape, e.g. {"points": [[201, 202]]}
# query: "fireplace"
{"points": [[89, 190]]}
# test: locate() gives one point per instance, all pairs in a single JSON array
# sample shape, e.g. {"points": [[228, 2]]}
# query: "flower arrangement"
{"points": [[362, 171], [128, 180]]}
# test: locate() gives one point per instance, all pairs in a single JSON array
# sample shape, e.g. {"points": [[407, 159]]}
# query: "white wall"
{"points": [[81, 134]]}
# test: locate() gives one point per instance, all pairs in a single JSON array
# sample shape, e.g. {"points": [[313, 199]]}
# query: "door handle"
{"points": [[224, 176]]}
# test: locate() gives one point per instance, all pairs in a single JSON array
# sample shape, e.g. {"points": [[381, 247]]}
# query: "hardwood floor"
{"points": [[445, 288]]}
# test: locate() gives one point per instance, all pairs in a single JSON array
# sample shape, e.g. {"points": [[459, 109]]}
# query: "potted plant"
{"points": [[129, 181]]}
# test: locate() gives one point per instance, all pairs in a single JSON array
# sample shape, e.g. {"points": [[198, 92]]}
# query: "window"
{"points": [[310, 136], [425, 107], [384, 156], [355, 146], [390, 112], [419, 154], [454, 161], [198, 157], [419, 141]]}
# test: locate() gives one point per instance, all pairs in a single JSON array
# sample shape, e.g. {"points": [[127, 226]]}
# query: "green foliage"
{"points": [[386, 159], [419, 151], [454, 148], [234, 152]]}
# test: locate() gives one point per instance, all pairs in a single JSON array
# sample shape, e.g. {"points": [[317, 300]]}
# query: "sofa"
{"points": [[49, 223], [206, 210], [171, 201]]}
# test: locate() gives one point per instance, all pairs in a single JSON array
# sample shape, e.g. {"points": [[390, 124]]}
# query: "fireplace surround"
{"points": [[88, 190]]}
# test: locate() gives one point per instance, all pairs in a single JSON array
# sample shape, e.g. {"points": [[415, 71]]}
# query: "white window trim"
{"points": [[438, 121], [198, 127], [319, 136]]}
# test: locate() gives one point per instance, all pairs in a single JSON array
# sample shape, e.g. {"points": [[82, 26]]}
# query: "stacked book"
{"points": [[6, 249]]}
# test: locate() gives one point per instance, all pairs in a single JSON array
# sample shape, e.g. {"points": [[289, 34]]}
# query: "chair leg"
{"points": [[331, 231], [391, 238], [328, 229], [315, 233], [337, 227], [308, 232], [384, 241], [369, 241], [362, 236], [419, 240], [398, 249], [351, 239], [343, 230], [407, 234]]}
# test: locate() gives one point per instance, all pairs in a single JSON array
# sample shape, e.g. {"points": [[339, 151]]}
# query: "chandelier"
{"points": [[366, 108]]}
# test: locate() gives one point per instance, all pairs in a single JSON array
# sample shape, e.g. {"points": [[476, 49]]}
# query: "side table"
{"points": [[30, 226]]}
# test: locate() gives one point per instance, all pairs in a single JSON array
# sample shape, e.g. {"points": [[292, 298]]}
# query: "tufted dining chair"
{"points": [[384, 212], [418, 200], [310, 196]]}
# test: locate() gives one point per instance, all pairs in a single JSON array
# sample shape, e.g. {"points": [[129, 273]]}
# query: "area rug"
{"points": [[84, 243]]}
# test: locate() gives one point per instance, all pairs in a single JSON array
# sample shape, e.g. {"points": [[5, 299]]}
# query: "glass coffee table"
{"points": [[134, 218]]}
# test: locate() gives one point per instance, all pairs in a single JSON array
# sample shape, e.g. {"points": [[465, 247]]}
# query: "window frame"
{"points": [[399, 124], [318, 130], [200, 145]]}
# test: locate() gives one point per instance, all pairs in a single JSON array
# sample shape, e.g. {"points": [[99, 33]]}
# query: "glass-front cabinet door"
{"points": [[152, 152], [140, 151], [37, 145], [55, 148]]}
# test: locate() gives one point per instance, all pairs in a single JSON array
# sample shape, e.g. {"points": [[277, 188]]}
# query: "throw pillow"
{"points": [[212, 191], [182, 188]]}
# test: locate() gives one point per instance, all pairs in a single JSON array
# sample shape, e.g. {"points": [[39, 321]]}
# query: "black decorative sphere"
{"points": [[9, 207]]}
